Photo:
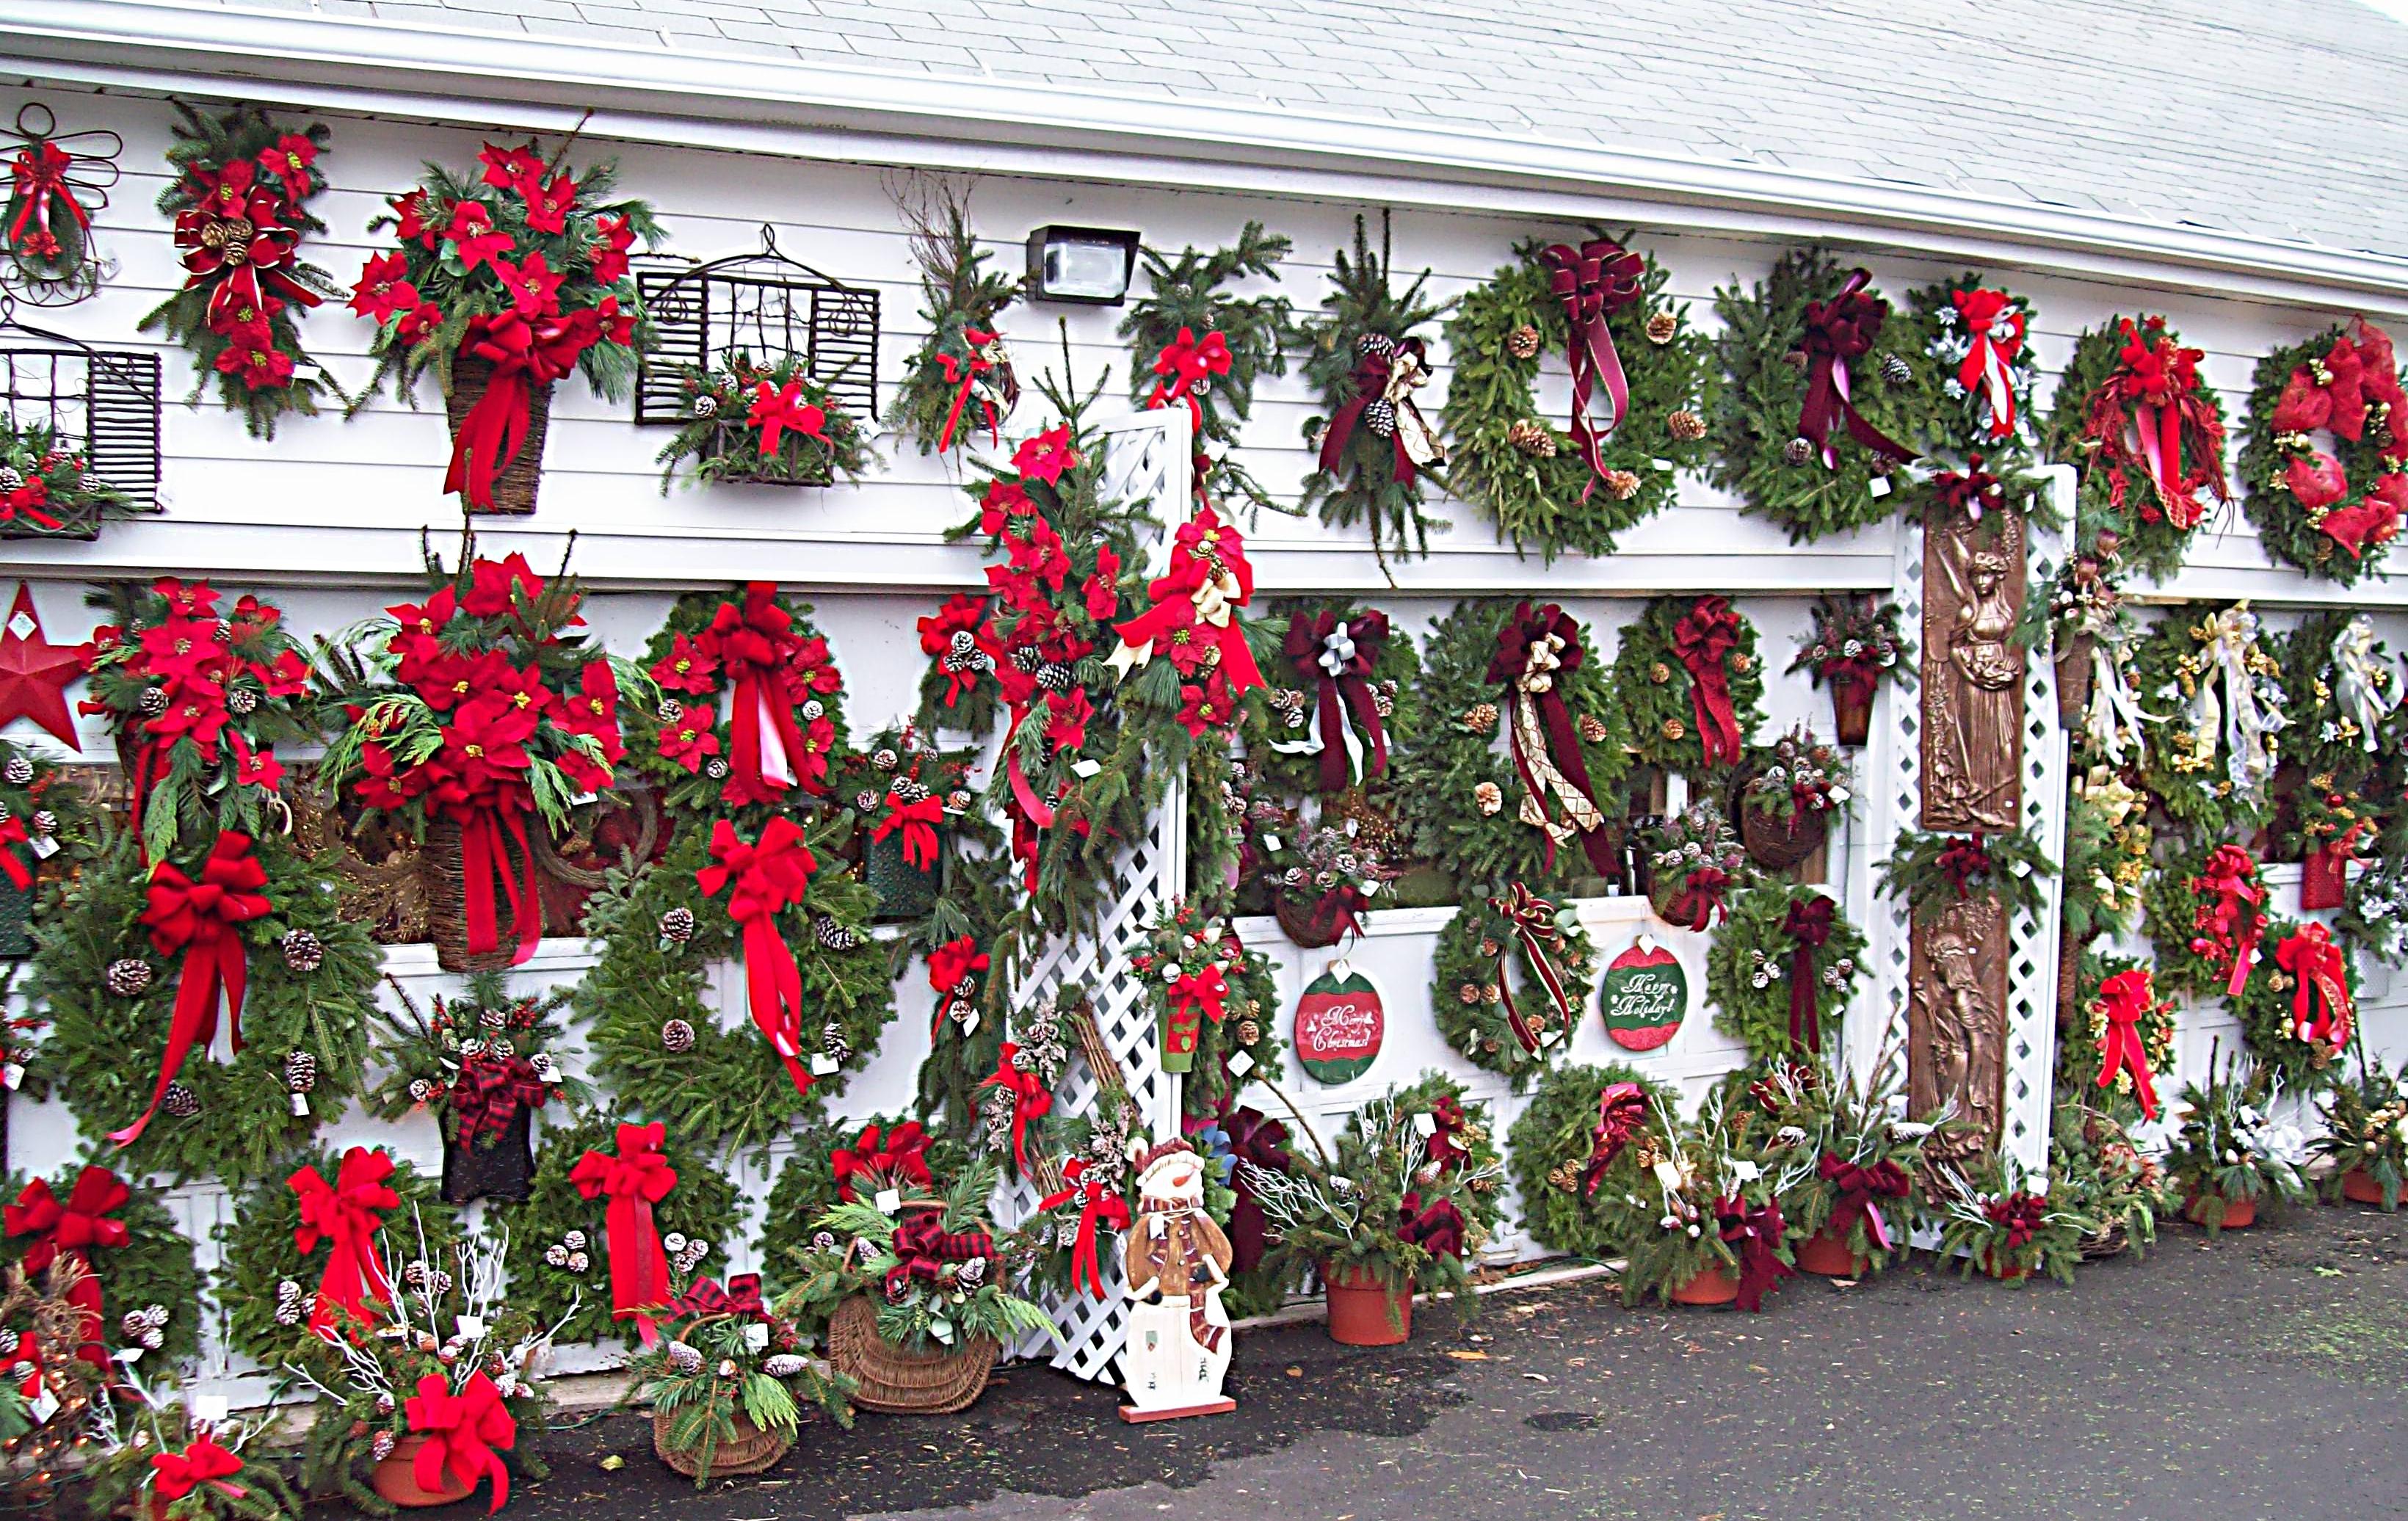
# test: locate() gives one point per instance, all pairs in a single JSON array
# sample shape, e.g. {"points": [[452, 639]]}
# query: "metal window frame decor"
{"points": [[764, 302], [104, 401]]}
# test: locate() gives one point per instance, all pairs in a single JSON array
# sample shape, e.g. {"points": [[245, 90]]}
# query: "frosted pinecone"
{"points": [[832, 1040], [677, 1036], [8, 1344], [129, 977], [1662, 326], [421, 1090], [1383, 700], [1380, 417], [1522, 342], [153, 701], [303, 951], [812, 710], [672, 712], [579, 1261], [677, 927], [706, 405], [907, 790], [180, 1101], [300, 1071], [1797, 451], [784, 1364], [43, 822], [381, 1445], [1053, 676], [19, 771], [546, 1069], [288, 1303], [1895, 370], [824, 1241], [574, 1240], [885, 760], [865, 801], [493, 1019], [715, 768], [1026, 658], [556, 1255], [833, 933], [972, 1273], [385, 1404], [1371, 344], [242, 702]]}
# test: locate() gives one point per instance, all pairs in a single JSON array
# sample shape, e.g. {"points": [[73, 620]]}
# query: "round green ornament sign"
{"points": [[1645, 997], [1339, 1023]]}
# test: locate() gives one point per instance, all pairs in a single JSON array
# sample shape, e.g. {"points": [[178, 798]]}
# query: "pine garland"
{"points": [[1472, 980], [959, 295], [1548, 1146], [1747, 970], [1928, 871], [265, 1321], [2330, 514], [155, 1268], [1519, 466], [1657, 693], [1756, 451], [1190, 301], [2190, 766], [2116, 494]]}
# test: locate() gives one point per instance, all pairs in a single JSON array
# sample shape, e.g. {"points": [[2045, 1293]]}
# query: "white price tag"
{"points": [[43, 1406], [1271, 842], [471, 1327], [12, 1076], [756, 1337], [300, 1106], [43, 847], [969, 1023], [1425, 1124], [823, 1064], [582, 798], [1878, 486], [1085, 768], [888, 1200], [1240, 1063], [1661, 464], [209, 1409]]}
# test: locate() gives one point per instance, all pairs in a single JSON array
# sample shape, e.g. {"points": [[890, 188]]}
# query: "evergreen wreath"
{"points": [[1539, 483], [2082, 1036], [2202, 908], [1928, 871], [150, 1286], [1249, 1028], [1487, 980], [763, 425], [714, 650], [2330, 514], [1365, 359], [1552, 1141], [2341, 689], [2201, 764], [2270, 1011], [1657, 691], [1208, 348], [1295, 640], [1760, 451], [1748, 969], [266, 1284], [2118, 372], [1455, 782], [549, 1272], [1979, 336], [959, 379]]}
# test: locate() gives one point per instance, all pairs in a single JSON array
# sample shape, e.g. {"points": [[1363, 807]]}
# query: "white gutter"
{"points": [[817, 111]]}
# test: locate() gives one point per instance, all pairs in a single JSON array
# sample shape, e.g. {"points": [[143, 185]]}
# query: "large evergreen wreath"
{"points": [[1536, 479], [1549, 1149], [1749, 968], [2270, 1009], [2340, 688], [1195, 343], [1659, 695], [2201, 763], [149, 1285], [2333, 513], [1777, 349], [2195, 930], [2119, 372], [266, 1284], [1485, 980]]}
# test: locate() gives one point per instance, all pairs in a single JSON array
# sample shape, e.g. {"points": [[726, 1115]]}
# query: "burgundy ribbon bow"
{"points": [[1256, 1138], [203, 1461], [2023, 1215], [72, 1230], [761, 881], [1972, 491], [1344, 692], [1532, 919], [1704, 636], [1964, 860], [489, 1093], [202, 921], [1593, 282], [1701, 899], [754, 642], [1537, 647], [1371, 379], [1436, 1228], [1752, 1231], [634, 1179], [1029, 1100], [1808, 925], [1621, 1109], [741, 1298], [1863, 1188], [347, 1215], [465, 1434], [2124, 999], [922, 1246], [1099, 1208], [2321, 1011], [1837, 331]]}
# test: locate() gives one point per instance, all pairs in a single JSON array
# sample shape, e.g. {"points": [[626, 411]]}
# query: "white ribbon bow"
{"points": [[2115, 708], [2359, 681], [2239, 721]]}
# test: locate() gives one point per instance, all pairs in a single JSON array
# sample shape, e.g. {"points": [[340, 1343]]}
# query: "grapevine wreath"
{"points": [[566, 1241], [1823, 396], [146, 1287], [1587, 1138], [1345, 699], [1782, 970], [241, 203], [740, 742], [2146, 431], [1690, 684], [1199, 347], [1512, 979], [959, 381], [2331, 513], [1641, 387], [2211, 762]]}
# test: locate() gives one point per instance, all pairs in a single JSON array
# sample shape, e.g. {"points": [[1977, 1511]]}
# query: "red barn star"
{"points": [[35, 673]]}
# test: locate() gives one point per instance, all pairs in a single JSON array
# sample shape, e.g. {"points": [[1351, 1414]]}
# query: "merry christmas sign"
{"points": [[1339, 1023]]}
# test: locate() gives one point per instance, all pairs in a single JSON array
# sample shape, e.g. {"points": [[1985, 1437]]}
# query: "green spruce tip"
{"points": [[701, 1207], [104, 1050], [1758, 1018], [1191, 292], [155, 1266], [1294, 776], [2288, 534], [1421, 1096], [1366, 487], [257, 1252], [1757, 408], [957, 291], [1477, 1027], [2151, 545], [2208, 805], [1437, 767], [1655, 691], [1956, 423], [1555, 1130], [1551, 501]]}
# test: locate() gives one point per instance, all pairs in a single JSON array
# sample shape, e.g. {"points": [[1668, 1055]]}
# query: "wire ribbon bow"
{"points": [[634, 1178], [2124, 1000], [347, 1215], [1862, 1188], [1532, 922], [466, 1434], [1099, 1209], [762, 879], [1621, 1109], [1753, 1232], [1536, 647], [202, 919], [1593, 282], [1337, 656], [1837, 331]]}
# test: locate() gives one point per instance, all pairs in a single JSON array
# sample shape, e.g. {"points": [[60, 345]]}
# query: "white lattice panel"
{"points": [[2031, 939]]}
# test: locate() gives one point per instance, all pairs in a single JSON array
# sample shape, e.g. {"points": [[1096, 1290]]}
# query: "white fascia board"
{"points": [[831, 112]]}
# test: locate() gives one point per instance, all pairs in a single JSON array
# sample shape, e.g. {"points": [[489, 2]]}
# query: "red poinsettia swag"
{"points": [[777, 683], [1194, 623], [2152, 417], [238, 240]]}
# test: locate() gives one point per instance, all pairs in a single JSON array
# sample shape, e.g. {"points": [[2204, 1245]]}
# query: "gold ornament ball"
{"points": [[1675, 730], [1522, 342], [1661, 327]]}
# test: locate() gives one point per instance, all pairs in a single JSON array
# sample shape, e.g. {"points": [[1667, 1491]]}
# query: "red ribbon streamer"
{"points": [[754, 643], [2227, 878], [202, 920], [487, 835], [1703, 637], [918, 823], [1526, 630], [2126, 998], [524, 355], [1753, 1232], [1099, 1206], [12, 833], [1809, 923], [1532, 920], [466, 1433], [634, 1179], [2321, 1011], [963, 374], [1593, 282], [71, 1230], [1029, 1100], [1347, 691], [346, 1215], [762, 881], [203, 1461], [1621, 1109], [1837, 331]]}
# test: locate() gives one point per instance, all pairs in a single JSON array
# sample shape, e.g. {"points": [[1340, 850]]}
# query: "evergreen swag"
{"points": [[2120, 373], [1759, 451], [1671, 722], [1929, 871], [150, 1285], [433, 1060], [1488, 979], [1195, 343], [123, 1479], [1455, 783], [1534, 479], [763, 425], [1553, 1143], [1365, 359], [2212, 763], [266, 1283], [697, 1221], [1295, 640], [958, 381], [2332, 514], [1751, 967], [239, 201]]}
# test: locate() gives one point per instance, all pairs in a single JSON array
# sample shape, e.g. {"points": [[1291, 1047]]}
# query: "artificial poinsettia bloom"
{"points": [[1206, 706], [1045, 456], [1065, 718], [254, 767], [470, 230], [582, 772], [416, 324], [548, 205], [484, 751], [286, 676], [1004, 501], [535, 290], [687, 667], [1041, 556], [510, 169], [490, 584], [617, 326], [413, 218], [380, 783], [608, 257], [518, 688], [420, 621], [289, 161], [260, 367], [594, 709], [1102, 590], [689, 742], [197, 714], [810, 671], [384, 288]]}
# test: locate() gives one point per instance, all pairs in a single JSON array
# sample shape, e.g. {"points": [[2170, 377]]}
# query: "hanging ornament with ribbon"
{"points": [[1593, 282], [58, 183], [1536, 647], [1335, 657]]}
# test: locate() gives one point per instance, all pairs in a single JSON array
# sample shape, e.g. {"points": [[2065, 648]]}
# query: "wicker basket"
{"points": [[2113, 1242], [1777, 845], [899, 1382], [447, 926], [750, 1451], [1311, 925], [514, 484]]}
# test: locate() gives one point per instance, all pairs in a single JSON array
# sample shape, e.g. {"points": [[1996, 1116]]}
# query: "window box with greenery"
{"points": [[764, 426]]}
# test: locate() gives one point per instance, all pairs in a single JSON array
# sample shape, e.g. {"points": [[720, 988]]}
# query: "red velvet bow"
{"points": [[201, 1462], [635, 1179], [72, 1230], [1863, 1188], [1532, 920], [1593, 282], [1540, 733], [963, 374], [39, 173], [1971, 492], [12, 833], [1029, 1100], [525, 354], [240, 245], [27, 502], [1963, 861], [488, 1093], [1621, 1109], [1701, 899], [1753, 1231], [1342, 692], [2156, 391], [2374, 518], [1195, 595], [1995, 331], [2321, 1009], [1837, 331], [1184, 365], [762, 879], [754, 642], [1099, 1206], [741, 1298], [2125, 999], [1194, 997], [347, 1216], [2226, 879], [1436, 1228], [950, 965], [1703, 640], [202, 920], [778, 410], [1370, 382], [918, 823], [922, 1246], [1808, 925], [2023, 1215], [465, 1434]]}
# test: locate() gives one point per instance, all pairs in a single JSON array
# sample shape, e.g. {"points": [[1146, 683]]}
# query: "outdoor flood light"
{"points": [[1090, 265]]}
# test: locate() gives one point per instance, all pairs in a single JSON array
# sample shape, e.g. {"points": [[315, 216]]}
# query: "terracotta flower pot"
{"points": [[1852, 710], [1716, 1285], [2239, 1213], [2359, 1187], [394, 1479], [1825, 1253], [1365, 1312]]}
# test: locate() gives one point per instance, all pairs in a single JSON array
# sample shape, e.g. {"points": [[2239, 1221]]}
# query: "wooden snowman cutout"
{"points": [[1178, 1337]]}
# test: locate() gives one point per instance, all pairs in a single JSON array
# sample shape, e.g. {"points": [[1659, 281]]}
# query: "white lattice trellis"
{"points": [[1147, 459], [2031, 939]]}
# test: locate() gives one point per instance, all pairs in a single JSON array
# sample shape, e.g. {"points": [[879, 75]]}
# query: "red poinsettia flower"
{"points": [[810, 671], [377, 785], [384, 289], [194, 599], [1065, 718], [687, 667], [689, 741], [548, 205], [1040, 556], [1102, 592], [196, 711], [289, 161], [490, 584], [1206, 706], [484, 753], [254, 767], [613, 324], [594, 709], [421, 621], [582, 772], [511, 169], [1045, 456], [286, 676], [413, 218], [470, 230], [535, 290], [608, 256], [1004, 501], [260, 367]]}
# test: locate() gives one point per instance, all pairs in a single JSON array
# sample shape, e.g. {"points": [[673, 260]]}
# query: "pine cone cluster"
{"points": [[1480, 718]]}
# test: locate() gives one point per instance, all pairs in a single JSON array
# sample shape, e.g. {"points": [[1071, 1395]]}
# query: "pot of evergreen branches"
{"points": [[726, 1382], [2231, 1155], [2366, 1139]]}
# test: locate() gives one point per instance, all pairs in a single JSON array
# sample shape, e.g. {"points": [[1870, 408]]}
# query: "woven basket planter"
{"points": [[736, 453], [752, 1449], [1311, 925], [1777, 845], [2113, 1242], [514, 484], [447, 926], [897, 1382]]}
